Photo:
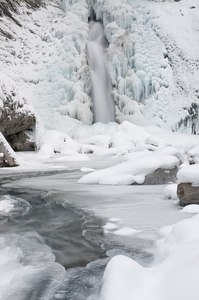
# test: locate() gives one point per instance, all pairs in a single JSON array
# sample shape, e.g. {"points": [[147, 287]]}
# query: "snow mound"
{"points": [[171, 192], [191, 209], [176, 277], [132, 171], [189, 173]]}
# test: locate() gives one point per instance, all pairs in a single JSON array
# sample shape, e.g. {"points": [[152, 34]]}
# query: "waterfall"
{"points": [[103, 106]]}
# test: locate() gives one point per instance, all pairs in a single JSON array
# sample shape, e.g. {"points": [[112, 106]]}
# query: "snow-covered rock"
{"points": [[15, 113], [7, 156], [173, 276], [134, 171], [189, 173], [22, 141], [188, 187], [187, 193]]}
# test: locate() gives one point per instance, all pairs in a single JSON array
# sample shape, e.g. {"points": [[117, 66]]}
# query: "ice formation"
{"points": [[154, 73], [103, 106], [153, 64]]}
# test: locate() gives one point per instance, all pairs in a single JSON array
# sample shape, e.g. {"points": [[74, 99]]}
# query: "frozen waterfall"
{"points": [[103, 106]]}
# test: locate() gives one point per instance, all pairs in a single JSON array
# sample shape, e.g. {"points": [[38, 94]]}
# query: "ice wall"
{"points": [[103, 106], [153, 78]]}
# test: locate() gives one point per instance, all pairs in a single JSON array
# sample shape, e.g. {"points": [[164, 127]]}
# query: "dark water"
{"points": [[43, 247], [50, 250], [59, 226]]}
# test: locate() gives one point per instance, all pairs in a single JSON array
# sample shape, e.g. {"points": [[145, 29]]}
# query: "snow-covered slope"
{"points": [[45, 56]]}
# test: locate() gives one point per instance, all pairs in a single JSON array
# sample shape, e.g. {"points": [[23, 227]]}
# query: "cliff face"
{"points": [[9, 8]]}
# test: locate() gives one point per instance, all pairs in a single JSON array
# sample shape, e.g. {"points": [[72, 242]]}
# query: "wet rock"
{"points": [[7, 155], [187, 193], [22, 141], [161, 176]]}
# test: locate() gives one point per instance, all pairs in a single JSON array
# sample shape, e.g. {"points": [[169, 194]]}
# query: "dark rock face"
{"points": [[188, 194], [161, 176], [16, 115], [9, 8], [13, 119], [7, 155], [21, 141]]}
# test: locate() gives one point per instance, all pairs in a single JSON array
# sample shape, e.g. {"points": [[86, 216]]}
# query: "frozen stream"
{"points": [[52, 245]]}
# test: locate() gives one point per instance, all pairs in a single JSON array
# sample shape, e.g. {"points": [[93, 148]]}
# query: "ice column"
{"points": [[65, 5], [103, 106]]}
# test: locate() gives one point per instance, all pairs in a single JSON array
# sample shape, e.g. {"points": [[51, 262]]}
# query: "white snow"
{"points": [[110, 226], [191, 209], [173, 277], [132, 171], [171, 192], [189, 173], [6, 206], [84, 169], [125, 231]]}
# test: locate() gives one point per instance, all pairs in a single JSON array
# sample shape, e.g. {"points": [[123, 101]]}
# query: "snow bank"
{"points": [[189, 173], [175, 277], [191, 209], [132, 171], [171, 192]]}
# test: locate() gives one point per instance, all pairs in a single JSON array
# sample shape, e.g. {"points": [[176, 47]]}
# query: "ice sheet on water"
{"points": [[13, 206], [28, 268]]}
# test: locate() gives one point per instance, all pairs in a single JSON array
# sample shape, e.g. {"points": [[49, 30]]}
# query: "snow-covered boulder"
{"points": [[15, 113], [148, 169], [188, 187], [188, 194], [7, 155]]}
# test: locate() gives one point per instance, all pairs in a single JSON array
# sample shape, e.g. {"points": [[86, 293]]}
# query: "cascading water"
{"points": [[103, 106]]}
